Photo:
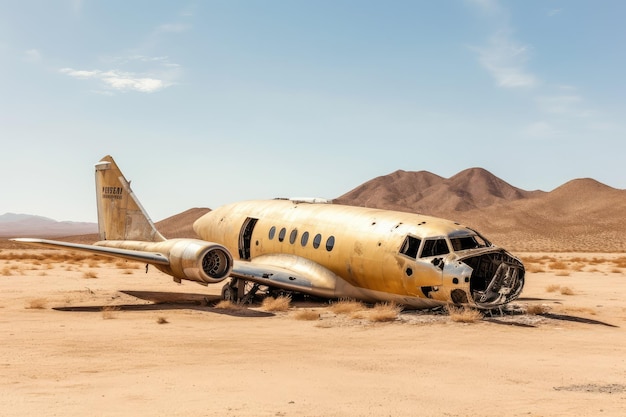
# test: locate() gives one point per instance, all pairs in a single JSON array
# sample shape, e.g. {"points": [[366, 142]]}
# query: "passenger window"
{"points": [[410, 246], [293, 236], [272, 232], [330, 243], [304, 239], [281, 234], [434, 247], [317, 240]]}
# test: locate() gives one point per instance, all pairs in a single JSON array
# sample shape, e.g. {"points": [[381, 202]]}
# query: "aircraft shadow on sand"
{"points": [[162, 301]]}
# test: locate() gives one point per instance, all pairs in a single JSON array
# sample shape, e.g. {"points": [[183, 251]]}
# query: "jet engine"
{"points": [[197, 260]]}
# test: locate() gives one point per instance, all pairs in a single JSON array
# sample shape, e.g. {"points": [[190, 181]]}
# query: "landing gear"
{"points": [[239, 291]]}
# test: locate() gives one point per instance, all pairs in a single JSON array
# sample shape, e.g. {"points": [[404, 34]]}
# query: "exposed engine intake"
{"points": [[199, 261]]}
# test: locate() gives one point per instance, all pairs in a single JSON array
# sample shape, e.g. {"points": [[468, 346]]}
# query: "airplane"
{"points": [[311, 247]]}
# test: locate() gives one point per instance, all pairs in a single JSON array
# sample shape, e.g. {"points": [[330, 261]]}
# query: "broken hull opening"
{"points": [[497, 278]]}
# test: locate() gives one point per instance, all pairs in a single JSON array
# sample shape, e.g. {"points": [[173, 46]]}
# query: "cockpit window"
{"points": [[467, 242], [410, 246], [434, 247]]}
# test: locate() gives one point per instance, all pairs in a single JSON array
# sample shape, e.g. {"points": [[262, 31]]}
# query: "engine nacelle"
{"points": [[198, 260]]}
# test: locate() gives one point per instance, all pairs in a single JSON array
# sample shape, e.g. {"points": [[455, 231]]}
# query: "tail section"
{"points": [[120, 214]]}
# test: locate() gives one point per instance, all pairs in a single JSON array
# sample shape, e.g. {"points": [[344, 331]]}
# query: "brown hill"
{"points": [[581, 215], [181, 225], [425, 192]]}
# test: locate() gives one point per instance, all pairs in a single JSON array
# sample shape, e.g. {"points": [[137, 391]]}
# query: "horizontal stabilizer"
{"points": [[133, 255]]}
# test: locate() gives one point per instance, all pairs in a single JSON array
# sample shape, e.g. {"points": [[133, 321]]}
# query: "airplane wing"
{"points": [[133, 255], [288, 272]]}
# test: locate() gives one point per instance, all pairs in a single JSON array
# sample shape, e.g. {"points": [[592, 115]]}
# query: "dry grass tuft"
{"points": [[557, 265], [228, 305], [464, 314], [562, 274], [109, 312], [567, 291], [37, 304], [535, 309], [162, 320], [383, 312], [308, 315], [553, 287], [90, 274], [346, 307], [280, 303]]}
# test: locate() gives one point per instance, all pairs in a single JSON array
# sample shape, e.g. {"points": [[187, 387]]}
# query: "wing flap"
{"points": [[133, 255], [288, 272]]}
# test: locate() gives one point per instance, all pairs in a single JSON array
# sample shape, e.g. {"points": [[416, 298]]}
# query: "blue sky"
{"points": [[204, 103]]}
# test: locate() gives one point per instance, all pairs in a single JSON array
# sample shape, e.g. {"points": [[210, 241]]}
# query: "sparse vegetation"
{"points": [[562, 274], [553, 288], [162, 320], [280, 303], [383, 312], [90, 274], [566, 291], [463, 314], [37, 304], [228, 305], [536, 309], [346, 307], [109, 312], [307, 315]]}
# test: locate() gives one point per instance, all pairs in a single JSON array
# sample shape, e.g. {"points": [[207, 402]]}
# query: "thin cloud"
{"points": [[560, 104], [555, 12], [172, 28], [504, 59], [33, 55], [137, 73], [118, 80]]}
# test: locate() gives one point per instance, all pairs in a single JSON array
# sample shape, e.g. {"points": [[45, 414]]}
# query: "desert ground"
{"points": [[92, 336]]}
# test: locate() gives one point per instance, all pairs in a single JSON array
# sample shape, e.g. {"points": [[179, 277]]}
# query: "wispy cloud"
{"points": [[505, 58], [173, 28], [554, 12], [33, 55], [118, 79]]}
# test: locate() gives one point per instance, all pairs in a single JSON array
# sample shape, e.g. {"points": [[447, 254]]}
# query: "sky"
{"points": [[204, 103]]}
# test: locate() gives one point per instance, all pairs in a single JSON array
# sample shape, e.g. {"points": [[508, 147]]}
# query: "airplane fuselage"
{"points": [[370, 254]]}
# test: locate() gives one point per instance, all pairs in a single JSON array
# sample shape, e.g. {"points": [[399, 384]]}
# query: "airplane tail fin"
{"points": [[120, 214]]}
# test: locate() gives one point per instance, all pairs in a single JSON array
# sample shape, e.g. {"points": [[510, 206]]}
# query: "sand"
{"points": [[62, 355]]}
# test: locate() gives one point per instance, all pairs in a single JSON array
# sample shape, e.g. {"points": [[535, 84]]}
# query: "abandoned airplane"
{"points": [[311, 247]]}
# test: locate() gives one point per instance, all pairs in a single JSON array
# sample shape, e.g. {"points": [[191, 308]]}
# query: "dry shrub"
{"points": [[346, 307], [464, 314], [280, 303], [557, 265], [562, 274], [383, 312], [228, 305], [128, 272], [6, 271], [37, 304], [567, 291], [90, 274], [534, 268], [308, 315], [616, 271], [620, 262], [162, 320], [553, 287], [535, 309], [93, 264], [108, 312]]}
